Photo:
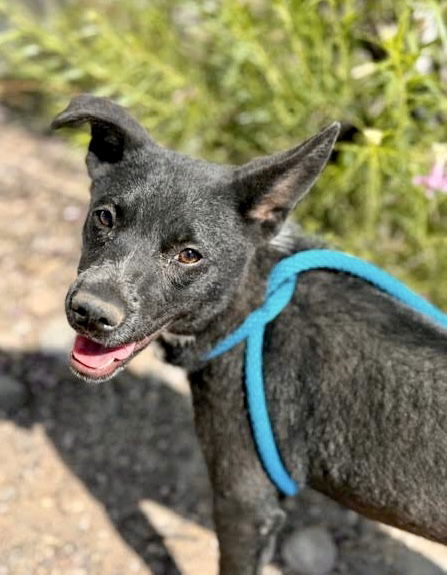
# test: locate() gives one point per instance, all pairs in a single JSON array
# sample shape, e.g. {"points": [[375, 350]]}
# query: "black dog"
{"points": [[356, 383]]}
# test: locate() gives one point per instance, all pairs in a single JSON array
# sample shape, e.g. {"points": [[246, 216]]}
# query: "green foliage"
{"points": [[231, 79]]}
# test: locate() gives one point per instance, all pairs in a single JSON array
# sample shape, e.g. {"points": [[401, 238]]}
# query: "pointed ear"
{"points": [[114, 132], [268, 188]]}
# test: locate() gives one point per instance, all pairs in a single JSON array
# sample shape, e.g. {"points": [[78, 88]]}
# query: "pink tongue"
{"points": [[95, 355]]}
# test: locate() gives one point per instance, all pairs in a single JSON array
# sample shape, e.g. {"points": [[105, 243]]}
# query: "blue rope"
{"points": [[280, 289]]}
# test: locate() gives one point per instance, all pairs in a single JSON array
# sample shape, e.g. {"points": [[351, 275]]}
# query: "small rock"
{"points": [[310, 551], [8, 493], [135, 566], [13, 394], [72, 213], [48, 552], [47, 502], [84, 523], [352, 518], [41, 302], [57, 336], [72, 505]]}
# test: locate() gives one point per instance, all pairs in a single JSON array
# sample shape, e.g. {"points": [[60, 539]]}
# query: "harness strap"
{"points": [[280, 289]]}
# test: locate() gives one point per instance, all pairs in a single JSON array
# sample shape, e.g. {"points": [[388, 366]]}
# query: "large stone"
{"points": [[310, 551], [13, 394]]}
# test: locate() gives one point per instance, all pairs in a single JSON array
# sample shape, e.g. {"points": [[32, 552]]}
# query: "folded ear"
{"points": [[268, 188], [114, 132]]}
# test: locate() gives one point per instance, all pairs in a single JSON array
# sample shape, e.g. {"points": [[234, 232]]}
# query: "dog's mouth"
{"points": [[95, 362]]}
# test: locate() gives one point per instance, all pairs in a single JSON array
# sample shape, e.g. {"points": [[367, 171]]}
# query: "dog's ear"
{"points": [[268, 188], [114, 132]]}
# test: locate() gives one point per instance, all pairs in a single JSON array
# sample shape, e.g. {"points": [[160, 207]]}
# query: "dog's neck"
{"points": [[188, 350]]}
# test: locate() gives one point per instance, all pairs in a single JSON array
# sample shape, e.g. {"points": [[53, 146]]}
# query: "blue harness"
{"points": [[280, 289]]}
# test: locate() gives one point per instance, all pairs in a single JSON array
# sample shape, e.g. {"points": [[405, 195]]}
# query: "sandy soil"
{"points": [[109, 480]]}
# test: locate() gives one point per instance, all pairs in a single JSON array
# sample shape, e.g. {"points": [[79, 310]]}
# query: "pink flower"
{"points": [[435, 181]]}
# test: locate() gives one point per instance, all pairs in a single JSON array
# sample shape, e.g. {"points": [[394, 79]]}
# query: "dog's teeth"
{"points": [[180, 340]]}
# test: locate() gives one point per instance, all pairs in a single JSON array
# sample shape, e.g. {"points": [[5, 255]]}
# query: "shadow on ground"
{"points": [[133, 439]]}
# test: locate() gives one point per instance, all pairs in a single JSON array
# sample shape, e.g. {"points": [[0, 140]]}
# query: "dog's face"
{"points": [[168, 239]]}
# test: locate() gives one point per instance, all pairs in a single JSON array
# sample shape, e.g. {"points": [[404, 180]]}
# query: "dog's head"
{"points": [[168, 238]]}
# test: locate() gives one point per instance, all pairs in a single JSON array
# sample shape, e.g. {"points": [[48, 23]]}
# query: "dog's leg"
{"points": [[246, 509], [246, 528]]}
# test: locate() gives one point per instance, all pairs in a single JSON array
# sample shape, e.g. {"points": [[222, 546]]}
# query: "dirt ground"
{"points": [[109, 479]]}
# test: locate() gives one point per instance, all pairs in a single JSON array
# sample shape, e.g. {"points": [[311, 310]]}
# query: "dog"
{"points": [[179, 250]]}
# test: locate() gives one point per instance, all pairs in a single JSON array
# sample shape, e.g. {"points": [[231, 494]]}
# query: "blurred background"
{"points": [[227, 80], [224, 80]]}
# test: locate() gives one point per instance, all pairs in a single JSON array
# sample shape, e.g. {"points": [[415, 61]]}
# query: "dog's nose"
{"points": [[90, 312]]}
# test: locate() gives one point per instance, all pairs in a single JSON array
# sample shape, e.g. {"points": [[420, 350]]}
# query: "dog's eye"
{"points": [[105, 217], [188, 256]]}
